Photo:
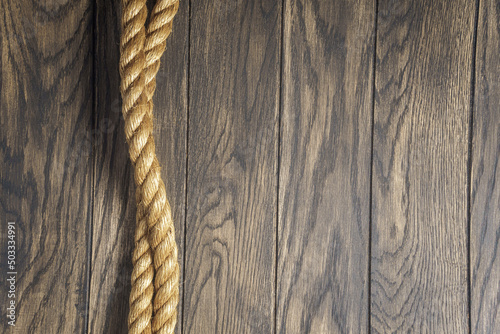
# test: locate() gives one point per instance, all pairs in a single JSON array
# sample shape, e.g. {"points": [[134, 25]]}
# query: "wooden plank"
{"points": [[325, 167], [485, 189], [114, 205], [45, 161], [421, 130], [232, 167]]}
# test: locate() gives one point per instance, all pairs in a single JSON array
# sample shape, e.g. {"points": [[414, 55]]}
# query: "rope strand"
{"points": [[155, 253]]}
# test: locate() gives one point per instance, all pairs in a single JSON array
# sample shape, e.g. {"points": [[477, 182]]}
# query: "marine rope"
{"points": [[155, 276]]}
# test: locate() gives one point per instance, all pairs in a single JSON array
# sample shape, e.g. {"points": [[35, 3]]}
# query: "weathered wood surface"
{"points": [[420, 159], [323, 248], [232, 167], [485, 187], [46, 161], [327, 163]]}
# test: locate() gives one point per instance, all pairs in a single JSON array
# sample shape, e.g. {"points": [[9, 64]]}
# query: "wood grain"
{"points": [[265, 132], [421, 130], [232, 167], [114, 204], [325, 167], [45, 160], [485, 189]]}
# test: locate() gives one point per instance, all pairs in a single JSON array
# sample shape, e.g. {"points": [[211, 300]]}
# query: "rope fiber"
{"points": [[155, 276]]}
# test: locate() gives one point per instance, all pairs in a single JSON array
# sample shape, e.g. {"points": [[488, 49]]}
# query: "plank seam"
{"points": [[469, 164], [374, 68], [278, 171], [188, 74], [93, 81]]}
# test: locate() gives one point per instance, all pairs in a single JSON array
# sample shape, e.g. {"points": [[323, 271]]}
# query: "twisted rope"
{"points": [[155, 253]]}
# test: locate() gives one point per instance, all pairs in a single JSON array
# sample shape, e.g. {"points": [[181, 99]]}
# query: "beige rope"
{"points": [[155, 252]]}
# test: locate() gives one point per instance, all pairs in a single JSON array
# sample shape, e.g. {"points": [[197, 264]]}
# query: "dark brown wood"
{"points": [[325, 167], [45, 161], [278, 206], [114, 204], [232, 167], [420, 158], [485, 186]]}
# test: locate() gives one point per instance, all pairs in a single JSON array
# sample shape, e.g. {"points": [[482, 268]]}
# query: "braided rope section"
{"points": [[155, 252]]}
